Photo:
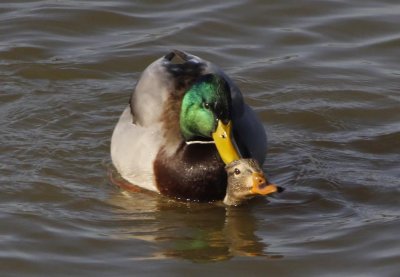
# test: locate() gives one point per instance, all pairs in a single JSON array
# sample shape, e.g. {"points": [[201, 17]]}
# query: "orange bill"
{"points": [[260, 185]]}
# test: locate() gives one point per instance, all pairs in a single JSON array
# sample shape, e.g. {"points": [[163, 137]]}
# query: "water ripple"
{"points": [[322, 76]]}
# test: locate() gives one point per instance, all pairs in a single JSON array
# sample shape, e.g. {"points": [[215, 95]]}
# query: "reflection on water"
{"points": [[199, 232]]}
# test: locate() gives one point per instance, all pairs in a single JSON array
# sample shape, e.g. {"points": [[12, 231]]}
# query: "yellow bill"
{"points": [[223, 141]]}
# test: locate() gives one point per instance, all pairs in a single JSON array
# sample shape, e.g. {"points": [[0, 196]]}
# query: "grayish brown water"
{"points": [[324, 76]]}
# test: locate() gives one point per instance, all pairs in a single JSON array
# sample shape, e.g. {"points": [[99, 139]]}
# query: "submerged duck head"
{"points": [[246, 180]]}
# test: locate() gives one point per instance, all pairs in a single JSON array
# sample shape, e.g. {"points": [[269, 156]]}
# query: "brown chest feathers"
{"points": [[195, 173]]}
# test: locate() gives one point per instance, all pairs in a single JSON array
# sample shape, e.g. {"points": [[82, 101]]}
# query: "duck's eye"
{"points": [[206, 105], [237, 171]]}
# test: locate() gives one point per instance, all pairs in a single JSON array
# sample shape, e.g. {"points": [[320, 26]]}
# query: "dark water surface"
{"points": [[324, 76]]}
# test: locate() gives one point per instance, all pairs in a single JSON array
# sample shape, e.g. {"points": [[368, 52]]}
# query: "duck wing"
{"points": [[133, 150]]}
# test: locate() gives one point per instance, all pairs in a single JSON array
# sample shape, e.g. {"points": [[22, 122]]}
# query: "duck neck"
{"points": [[230, 201], [229, 198], [172, 135]]}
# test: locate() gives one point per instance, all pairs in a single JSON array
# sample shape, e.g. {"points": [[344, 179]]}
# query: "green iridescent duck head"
{"points": [[206, 113]]}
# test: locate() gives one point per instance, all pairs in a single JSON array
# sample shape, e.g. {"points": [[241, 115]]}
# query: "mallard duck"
{"points": [[246, 180], [185, 120]]}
